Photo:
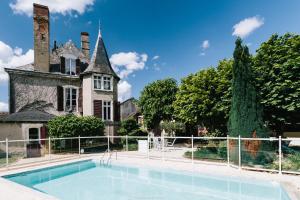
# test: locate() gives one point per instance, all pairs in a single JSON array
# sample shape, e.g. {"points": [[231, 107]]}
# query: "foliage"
{"points": [[172, 127], [131, 128], [211, 151], [156, 101], [277, 69], [204, 98], [245, 117], [74, 126]]}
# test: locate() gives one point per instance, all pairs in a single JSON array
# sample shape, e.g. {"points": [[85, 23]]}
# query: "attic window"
{"points": [[70, 66]]}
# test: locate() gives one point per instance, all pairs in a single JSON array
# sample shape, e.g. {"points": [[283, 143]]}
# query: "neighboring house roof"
{"points": [[100, 61], [67, 48], [28, 116]]}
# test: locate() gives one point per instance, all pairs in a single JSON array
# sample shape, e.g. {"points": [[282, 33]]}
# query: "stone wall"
{"points": [[37, 90]]}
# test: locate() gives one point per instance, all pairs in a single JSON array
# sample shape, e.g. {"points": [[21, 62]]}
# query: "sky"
{"points": [[147, 39]]}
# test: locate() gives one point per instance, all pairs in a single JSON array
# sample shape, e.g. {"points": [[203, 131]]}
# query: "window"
{"points": [[33, 135], [103, 83], [107, 110], [70, 66], [97, 82], [70, 99], [106, 83]]}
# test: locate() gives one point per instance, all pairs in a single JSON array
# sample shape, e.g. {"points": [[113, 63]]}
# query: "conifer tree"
{"points": [[245, 116]]}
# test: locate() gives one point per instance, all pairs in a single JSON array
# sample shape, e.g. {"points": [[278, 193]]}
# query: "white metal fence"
{"points": [[280, 155]]}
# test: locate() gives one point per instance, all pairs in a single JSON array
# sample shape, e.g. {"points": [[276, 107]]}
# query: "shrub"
{"points": [[172, 127], [74, 126], [131, 128]]}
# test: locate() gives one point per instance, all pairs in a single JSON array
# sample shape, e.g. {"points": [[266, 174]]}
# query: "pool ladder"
{"points": [[107, 162]]}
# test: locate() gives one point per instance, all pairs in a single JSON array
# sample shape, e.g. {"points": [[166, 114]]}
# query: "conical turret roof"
{"points": [[100, 62]]}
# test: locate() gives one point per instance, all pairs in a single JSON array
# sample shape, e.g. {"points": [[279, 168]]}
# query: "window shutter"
{"points": [[60, 98], [116, 111], [62, 65], [80, 100], [43, 134], [98, 108], [77, 66]]}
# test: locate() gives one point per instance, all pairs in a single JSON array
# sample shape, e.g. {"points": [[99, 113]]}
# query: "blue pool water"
{"points": [[88, 180]]}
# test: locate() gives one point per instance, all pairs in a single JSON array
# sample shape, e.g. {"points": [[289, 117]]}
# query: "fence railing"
{"points": [[280, 155]]}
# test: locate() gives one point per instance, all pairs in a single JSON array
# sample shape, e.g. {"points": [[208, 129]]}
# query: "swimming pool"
{"points": [[88, 180]]}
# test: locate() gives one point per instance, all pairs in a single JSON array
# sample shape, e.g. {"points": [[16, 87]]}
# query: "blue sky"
{"points": [[149, 39]]}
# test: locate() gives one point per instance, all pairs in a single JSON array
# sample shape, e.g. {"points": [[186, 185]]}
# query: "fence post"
{"points": [[126, 142], [148, 147], [79, 152], [49, 148], [280, 154], [227, 147], [239, 152], [108, 148], [6, 149], [163, 146], [192, 148]]}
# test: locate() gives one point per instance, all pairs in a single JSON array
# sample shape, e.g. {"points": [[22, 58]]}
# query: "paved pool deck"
{"points": [[13, 191]]}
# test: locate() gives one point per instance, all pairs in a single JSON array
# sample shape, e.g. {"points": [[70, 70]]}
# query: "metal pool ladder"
{"points": [[108, 161]]}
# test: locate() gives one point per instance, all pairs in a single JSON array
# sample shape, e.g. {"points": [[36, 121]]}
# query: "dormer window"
{"points": [[103, 82], [70, 66]]}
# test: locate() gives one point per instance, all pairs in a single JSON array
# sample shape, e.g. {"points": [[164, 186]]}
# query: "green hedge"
{"points": [[74, 126]]}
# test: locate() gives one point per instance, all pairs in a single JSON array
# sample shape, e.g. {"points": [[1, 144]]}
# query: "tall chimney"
{"points": [[41, 37], [85, 44]]}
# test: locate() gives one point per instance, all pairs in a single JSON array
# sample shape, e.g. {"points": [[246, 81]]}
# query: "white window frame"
{"points": [[70, 57], [101, 77], [65, 95], [70, 67], [98, 79], [111, 110], [39, 133]]}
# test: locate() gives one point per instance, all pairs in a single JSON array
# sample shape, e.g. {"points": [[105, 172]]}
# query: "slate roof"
{"points": [[28, 116], [67, 48], [100, 62]]}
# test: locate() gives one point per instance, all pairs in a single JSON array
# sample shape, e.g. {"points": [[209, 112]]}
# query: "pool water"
{"points": [[89, 180]]}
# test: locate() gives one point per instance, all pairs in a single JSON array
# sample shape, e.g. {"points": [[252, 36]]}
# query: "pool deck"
{"points": [[13, 191]]}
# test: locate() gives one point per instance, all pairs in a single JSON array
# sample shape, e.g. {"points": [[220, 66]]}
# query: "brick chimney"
{"points": [[41, 37], [85, 44]]}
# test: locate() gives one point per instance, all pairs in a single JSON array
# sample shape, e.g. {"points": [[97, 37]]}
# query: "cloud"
{"points": [[247, 26], [124, 90], [205, 44], [155, 57], [125, 63], [55, 6], [3, 107], [10, 57]]}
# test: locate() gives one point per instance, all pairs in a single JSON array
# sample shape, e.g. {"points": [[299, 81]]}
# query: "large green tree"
{"points": [[245, 116], [156, 101], [277, 69], [204, 98]]}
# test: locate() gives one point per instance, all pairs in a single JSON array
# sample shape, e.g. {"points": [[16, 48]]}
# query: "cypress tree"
{"points": [[245, 117]]}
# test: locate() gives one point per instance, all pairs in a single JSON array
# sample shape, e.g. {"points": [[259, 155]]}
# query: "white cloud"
{"points": [[56, 6], [124, 90], [126, 63], [155, 57], [3, 107], [247, 26], [205, 44], [202, 54], [10, 57]]}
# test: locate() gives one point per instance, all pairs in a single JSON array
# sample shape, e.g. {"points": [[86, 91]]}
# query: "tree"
{"points": [[245, 116], [277, 69], [130, 127], [74, 126], [204, 98], [156, 101]]}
